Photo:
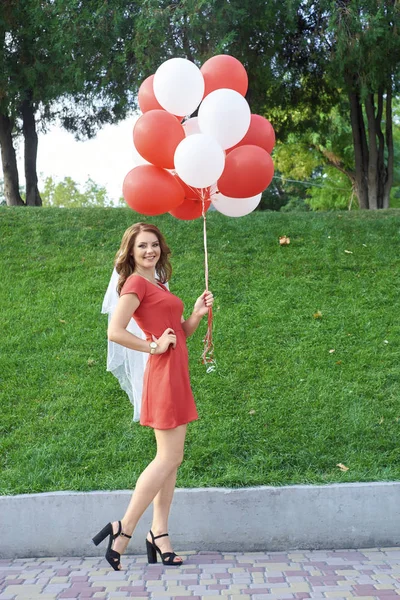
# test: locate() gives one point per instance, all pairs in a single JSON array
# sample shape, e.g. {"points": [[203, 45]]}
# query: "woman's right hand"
{"points": [[167, 339]]}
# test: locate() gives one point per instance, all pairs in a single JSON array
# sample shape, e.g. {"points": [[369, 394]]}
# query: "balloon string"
{"points": [[208, 353], [205, 241]]}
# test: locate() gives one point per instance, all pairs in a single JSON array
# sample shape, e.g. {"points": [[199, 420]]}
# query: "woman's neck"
{"points": [[149, 274]]}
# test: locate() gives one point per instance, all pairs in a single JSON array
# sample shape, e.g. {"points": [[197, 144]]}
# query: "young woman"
{"points": [[168, 405]]}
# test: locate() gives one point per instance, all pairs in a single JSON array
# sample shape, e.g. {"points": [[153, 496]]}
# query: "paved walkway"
{"points": [[340, 574]]}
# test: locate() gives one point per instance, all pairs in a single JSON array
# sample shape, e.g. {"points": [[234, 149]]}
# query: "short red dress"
{"points": [[167, 399]]}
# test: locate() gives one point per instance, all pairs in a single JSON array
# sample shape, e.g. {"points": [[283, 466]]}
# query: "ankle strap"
{"points": [[120, 532], [155, 537]]}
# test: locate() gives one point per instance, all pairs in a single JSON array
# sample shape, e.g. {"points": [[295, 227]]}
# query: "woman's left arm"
{"points": [[201, 306]]}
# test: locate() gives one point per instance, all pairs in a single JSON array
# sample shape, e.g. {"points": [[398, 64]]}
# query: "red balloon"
{"points": [[191, 193], [150, 190], [224, 71], [192, 207], [248, 172], [156, 135], [146, 98], [260, 133]]}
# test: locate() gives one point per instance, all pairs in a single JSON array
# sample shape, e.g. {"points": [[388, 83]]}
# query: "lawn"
{"points": [[307, 343]]}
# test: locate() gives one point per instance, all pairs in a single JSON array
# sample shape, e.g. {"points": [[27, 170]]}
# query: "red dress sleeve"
{"points": [[134, 285]]}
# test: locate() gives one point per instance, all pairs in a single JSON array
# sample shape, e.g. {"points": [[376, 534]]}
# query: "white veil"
{"points": [[127, 365]]}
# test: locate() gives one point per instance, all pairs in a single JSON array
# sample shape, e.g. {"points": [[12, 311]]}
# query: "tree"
{"points": [[361, 43], [60, 60], [366, 56], [67, 194], [326, 158]]}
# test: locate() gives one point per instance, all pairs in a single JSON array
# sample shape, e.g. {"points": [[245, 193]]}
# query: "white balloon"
{"points": [[235, 207], [199, 160], [178, 86], [225, 115], [191, 126]]}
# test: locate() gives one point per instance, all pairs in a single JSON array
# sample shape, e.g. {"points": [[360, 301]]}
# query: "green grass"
{"points": [[280, 408]]}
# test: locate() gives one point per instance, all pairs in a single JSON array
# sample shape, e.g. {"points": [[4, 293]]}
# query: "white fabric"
{"points": [[127, 365]]}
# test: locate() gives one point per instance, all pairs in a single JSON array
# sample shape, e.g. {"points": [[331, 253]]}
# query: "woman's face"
{"points": [[146, 250]]}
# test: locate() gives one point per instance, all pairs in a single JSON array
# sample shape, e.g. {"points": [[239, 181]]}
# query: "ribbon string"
{"points": [[208, 353], [207, 356]]}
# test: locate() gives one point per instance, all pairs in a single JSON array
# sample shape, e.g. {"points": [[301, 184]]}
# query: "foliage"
{"points": [[67, 194], [332, 191], [366, 54], [325, 158], [281, 192], [307, 343], [296, 204], [395, 192], [67, 58]]}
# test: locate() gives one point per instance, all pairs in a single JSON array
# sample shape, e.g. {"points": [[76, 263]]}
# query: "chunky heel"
{"points": [[112, 557], [168, 558], [151, 553], [107, 530]]}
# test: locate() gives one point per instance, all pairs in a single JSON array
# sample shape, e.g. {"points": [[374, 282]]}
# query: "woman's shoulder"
{"points": [[135, 276], [134, 284]]}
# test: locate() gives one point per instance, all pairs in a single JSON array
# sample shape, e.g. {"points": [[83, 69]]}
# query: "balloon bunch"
{"points": [[183, 163], [222, 156]]}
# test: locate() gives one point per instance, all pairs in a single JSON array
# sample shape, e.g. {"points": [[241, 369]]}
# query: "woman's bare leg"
{"points": [[161, 508], [170, 445]]}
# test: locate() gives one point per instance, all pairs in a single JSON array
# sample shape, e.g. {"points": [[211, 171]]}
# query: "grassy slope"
{"points": [[279, 409]]}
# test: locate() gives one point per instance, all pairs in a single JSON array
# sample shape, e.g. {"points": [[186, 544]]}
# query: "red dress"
{"points": [[167, 399]]}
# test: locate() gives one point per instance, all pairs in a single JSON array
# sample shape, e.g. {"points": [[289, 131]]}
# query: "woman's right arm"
{"points": [[117, 332]]}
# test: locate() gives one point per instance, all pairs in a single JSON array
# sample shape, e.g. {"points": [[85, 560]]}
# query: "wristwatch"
{"points": [[153, 347]]}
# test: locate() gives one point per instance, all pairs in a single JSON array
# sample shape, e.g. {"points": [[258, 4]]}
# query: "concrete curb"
{"points": [[354, 515]]}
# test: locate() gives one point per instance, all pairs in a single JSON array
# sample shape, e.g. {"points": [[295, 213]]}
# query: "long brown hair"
{"points": [[125, 263]]}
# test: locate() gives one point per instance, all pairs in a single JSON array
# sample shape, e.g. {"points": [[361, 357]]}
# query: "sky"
{"points": [[106, 159]]}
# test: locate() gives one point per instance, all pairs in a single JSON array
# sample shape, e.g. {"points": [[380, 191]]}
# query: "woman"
{"points": [[168, 405]]}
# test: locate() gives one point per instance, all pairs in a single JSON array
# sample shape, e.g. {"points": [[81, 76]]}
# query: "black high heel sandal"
{"points": [[112, 557], [166, 557]]}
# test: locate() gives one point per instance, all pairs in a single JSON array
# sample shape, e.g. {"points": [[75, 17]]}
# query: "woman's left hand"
{"points": [[203, 303]]}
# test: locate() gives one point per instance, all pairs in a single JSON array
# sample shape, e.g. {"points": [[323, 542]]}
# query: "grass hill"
{"points": [[307, 342]]}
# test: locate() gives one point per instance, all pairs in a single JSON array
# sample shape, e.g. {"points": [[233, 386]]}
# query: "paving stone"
{"points": [[24, 590], [56, 588], [273, 597], [317, 575]]}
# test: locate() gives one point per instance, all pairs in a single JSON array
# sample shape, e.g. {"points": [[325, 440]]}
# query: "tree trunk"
{"points": [[31, 144], [360, 150], [381, 167], [9, 160], [373, 154], [389, 143]]}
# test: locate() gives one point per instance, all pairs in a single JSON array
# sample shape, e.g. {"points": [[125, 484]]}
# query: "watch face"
{"points": [[153, 345]]}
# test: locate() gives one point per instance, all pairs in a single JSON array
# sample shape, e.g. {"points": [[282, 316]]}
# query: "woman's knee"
{"points": [[172, 459], [170, 446]]}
